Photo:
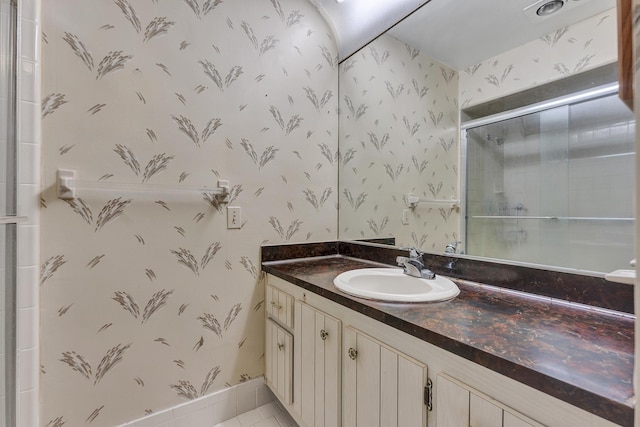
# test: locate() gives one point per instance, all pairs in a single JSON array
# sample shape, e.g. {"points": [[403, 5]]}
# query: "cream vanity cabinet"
{"points": [[316, 368], [461, 406], [381, 386], [337, 376]]}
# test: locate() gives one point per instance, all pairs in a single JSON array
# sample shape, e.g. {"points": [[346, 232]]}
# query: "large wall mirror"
{"points": [[529, 188]]}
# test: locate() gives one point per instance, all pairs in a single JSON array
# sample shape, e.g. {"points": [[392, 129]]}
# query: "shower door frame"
{"points": [[574, 98], [9, 219]]}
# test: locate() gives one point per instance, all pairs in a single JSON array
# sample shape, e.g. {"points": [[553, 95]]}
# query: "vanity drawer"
{"points": [[279, 361], [280, 306]]}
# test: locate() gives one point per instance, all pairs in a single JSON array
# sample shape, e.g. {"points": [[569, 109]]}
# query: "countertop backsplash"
{"points": [[591, 291]]}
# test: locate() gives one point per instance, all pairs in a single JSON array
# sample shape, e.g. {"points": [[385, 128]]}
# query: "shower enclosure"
{"points": [[553, 184], [8, 219]]}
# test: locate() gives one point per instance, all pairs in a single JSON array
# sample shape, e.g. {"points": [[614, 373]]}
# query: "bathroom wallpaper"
{"points": [[148, 300], [398, 135], [579, 47]]}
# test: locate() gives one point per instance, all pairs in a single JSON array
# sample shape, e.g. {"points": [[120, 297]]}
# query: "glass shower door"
{"points": [[554, 187], [552, 174], [8, 219]]}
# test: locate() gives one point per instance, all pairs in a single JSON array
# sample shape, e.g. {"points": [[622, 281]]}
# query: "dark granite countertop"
{"points": [[577, 354]]}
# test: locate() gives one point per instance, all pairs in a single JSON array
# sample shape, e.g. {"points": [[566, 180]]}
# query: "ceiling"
{"points": [[356, 22], [483, 28]]}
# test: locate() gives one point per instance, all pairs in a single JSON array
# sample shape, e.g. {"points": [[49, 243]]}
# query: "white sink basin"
{"points": [[391, 284]]}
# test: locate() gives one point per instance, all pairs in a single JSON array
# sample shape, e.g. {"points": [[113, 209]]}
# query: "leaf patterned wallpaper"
{"points": [[398, 135], [580, 47], [147, 299], [399, 120]]}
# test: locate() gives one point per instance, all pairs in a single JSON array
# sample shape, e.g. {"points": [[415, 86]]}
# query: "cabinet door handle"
{"points": [[280, 346], [353, 353], [324, 334], [276, 305]]}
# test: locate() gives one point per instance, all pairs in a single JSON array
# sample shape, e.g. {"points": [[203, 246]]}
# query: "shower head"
{"points": [[493, 138]]}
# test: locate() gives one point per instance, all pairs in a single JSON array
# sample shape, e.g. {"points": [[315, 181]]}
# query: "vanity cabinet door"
{"points": [[317, 367], [381, 386], [452, 404], [460, 406], [511, 420], [278, 359], [483, 413]]}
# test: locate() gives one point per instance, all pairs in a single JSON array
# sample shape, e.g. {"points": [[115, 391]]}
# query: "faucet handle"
{"points": [[452, 247], [402, 260], [414, 253]]}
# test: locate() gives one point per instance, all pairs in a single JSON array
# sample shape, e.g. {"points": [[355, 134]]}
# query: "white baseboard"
{"points": [[212, 409]]}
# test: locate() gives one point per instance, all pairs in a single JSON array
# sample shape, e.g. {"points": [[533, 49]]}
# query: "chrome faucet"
{"points": [[449, 250], [414, 266], [452, 247]]}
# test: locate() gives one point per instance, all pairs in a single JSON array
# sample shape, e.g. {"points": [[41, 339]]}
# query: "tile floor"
{"points": [[270, 415]]}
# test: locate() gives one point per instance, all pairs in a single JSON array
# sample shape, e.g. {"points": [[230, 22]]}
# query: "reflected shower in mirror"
{"points": [[554, 187], [402, 96]]}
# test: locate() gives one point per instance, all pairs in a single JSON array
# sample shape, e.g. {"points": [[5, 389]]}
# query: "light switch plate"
{"points": [[234, 217], [405, 216]]}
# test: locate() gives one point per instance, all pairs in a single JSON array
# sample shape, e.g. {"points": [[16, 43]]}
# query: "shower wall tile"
{"points": [[30, 10], [29, 164], [27, 408], [29, 40], [29, 122], [147, 294], [28, 240], [28, 376], [28, 332], [28, 74], [28, 201]]}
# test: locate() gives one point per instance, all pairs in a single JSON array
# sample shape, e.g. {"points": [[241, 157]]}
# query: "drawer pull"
{"points": [[276, 305], [280, 346], [353, 353], [324, 334]]}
